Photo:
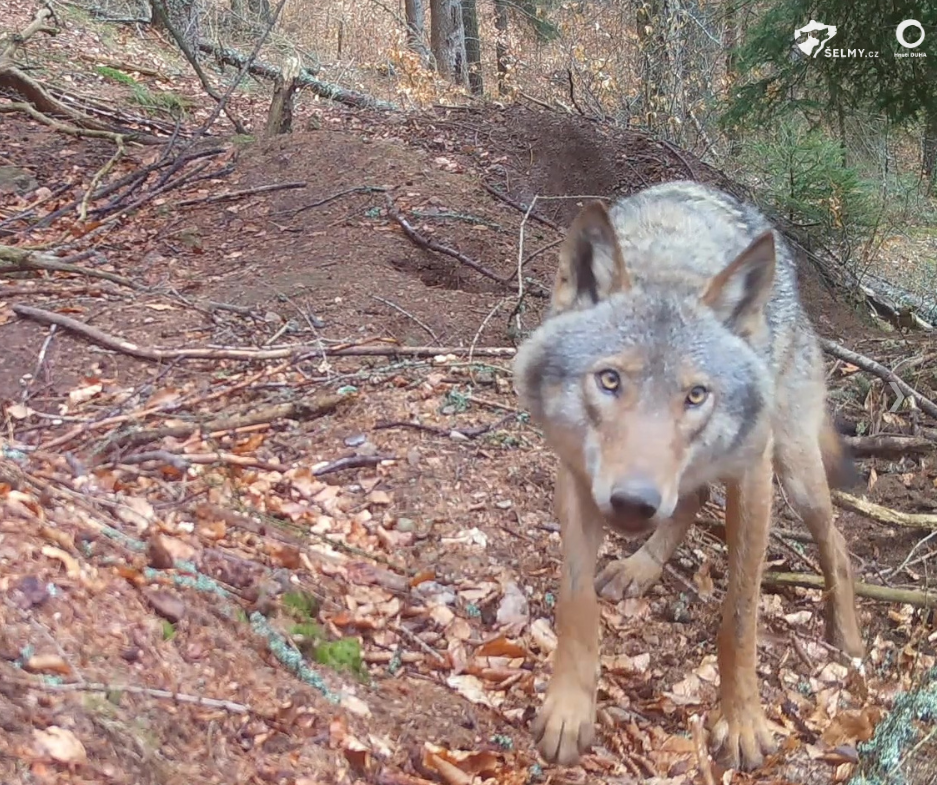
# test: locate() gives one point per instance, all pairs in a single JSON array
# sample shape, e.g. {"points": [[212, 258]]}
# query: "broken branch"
{"points": [[883, 514], [921, 599], [867, 364], [253, 355], [21, 259], [231, 195], [888, 446], [432, 245]]}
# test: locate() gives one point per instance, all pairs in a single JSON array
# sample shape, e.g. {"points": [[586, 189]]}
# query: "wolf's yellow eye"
{"points": [[697, 396], [609, 380]]}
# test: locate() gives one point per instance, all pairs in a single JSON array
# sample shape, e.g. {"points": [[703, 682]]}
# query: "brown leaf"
{"points": [[60, 744], [167, 605]]}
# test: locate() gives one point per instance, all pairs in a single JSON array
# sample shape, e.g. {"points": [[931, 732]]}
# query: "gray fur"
{"points": [[674, 238]]}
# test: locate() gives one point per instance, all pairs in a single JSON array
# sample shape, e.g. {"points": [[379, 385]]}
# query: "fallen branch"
{"points": [[306, 79], [883, 514], [867, 364], [22, 259], [351, 462], [65, 128], [182, 462], [307, 409], [432, 245], [231, 195], [464, 433], [158, 355], [179, 697], [888, 446], [920, 599]]}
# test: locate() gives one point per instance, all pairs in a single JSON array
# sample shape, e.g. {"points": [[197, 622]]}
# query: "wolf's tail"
{"points": [[838, 461]]}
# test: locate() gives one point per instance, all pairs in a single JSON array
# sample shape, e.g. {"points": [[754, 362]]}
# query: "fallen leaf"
{"points": [[60, 744]]}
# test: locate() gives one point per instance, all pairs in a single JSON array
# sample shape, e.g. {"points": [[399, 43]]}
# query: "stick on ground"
{"points": [[921, 599], [867, 364]]}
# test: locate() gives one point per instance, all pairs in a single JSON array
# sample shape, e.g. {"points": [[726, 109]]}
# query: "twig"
{"points": [[98, 176], [882, 372], [161, 15], [367, 189], [231, 195], [920, 599], [352, 462], [409, 315], [182, 462], [883, 514], [534, 254], [420, 643], [482, 326], [703, 758], [432, 245], [252, 355], [179, 697], [468, 433], [522, 208]]}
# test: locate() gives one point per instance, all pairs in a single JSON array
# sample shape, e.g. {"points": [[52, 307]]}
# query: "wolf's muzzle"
{"points": [[637, 498]]}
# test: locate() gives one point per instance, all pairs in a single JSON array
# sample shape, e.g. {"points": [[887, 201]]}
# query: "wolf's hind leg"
{"points": [[633, 576], [799, 463], [565, 726]]}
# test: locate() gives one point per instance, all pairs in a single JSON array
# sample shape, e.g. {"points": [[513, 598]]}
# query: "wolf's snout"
{"points": [[636, 498]]}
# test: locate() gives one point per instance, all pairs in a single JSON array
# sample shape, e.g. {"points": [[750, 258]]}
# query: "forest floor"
{"points": [[278, 562]]}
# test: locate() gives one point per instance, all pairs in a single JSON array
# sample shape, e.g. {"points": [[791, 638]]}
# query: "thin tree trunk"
{"points": [[929, 149], [473, 49], [501, 45]]}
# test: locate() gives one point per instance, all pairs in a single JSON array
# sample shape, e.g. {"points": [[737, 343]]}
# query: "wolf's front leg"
{"points": [[565, 726], [739, 726], [633, 576]]}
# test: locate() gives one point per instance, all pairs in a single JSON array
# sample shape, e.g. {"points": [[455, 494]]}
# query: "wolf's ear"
{"points": [[738, 294], [591, 264]]}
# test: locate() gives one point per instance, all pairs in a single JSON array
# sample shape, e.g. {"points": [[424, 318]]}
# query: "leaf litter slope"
{"points": [[439, 556]]}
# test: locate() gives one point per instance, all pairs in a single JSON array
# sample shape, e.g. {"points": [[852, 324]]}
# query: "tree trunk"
{"points": [[473, 48], [929, 149], [501, 45], [447, 38], [280, 116], [652, 39], [416, 30], [184, 16]]}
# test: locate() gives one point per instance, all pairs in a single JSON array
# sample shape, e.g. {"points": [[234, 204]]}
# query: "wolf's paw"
{"points": [[741, 737], [629, 577], [565, 726]]}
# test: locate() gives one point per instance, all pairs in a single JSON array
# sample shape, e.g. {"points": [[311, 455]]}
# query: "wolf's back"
{"points": [[681, 233]]}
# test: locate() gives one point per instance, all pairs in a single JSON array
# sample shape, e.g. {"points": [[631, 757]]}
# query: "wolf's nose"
{"points": [[637, 497]]}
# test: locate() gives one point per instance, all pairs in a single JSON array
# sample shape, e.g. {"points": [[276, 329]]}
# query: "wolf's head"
{"points": [[646, 392]]}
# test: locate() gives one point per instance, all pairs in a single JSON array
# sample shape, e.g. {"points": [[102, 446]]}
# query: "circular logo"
{"points": [[899, 33]]}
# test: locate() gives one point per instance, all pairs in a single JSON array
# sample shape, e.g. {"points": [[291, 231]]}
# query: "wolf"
{"points": [[675, 354]]}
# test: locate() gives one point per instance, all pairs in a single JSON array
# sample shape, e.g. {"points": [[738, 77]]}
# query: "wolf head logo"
{"points": [[807, 42]]}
